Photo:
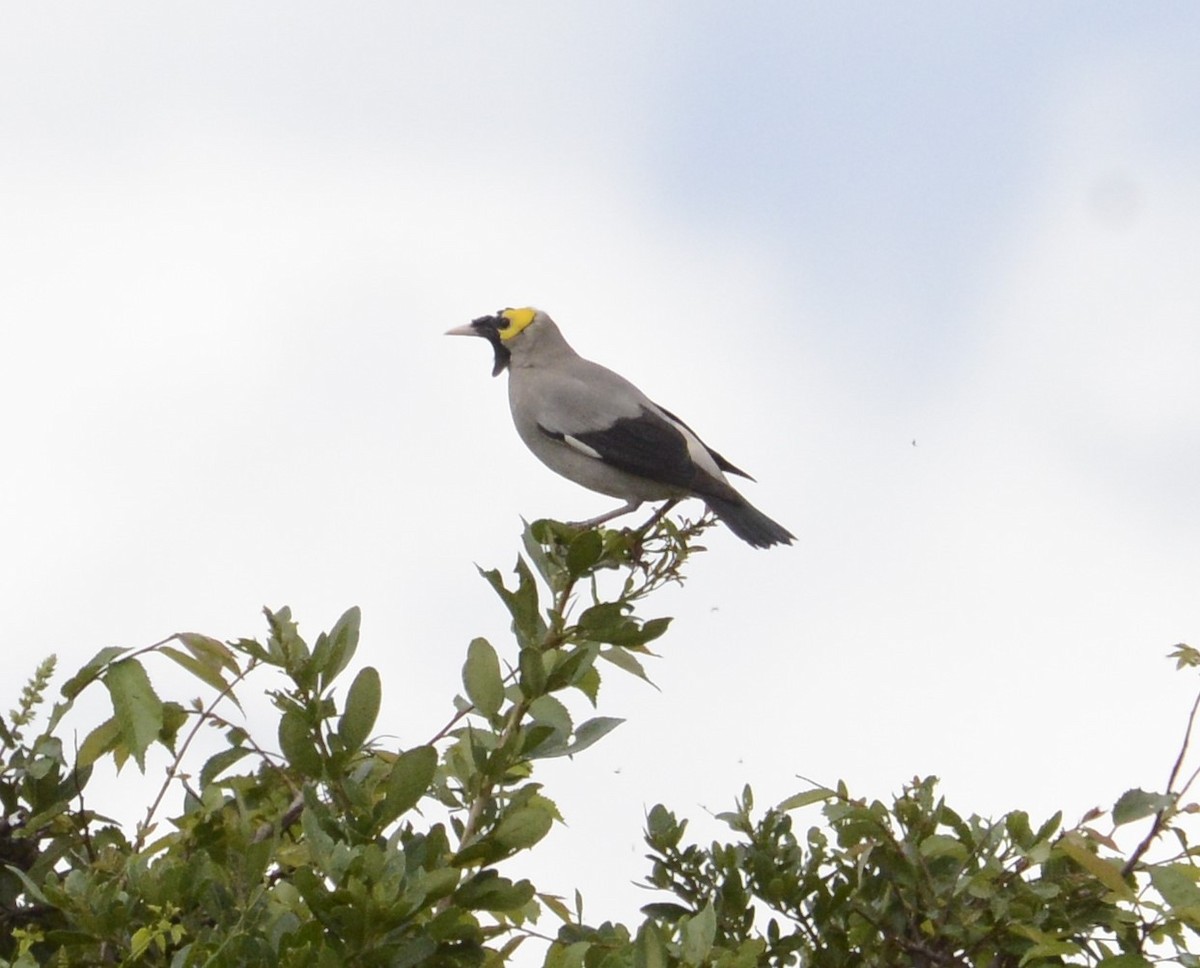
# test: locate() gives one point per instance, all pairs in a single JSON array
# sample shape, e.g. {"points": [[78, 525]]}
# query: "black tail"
{"points": [[748, 522]]}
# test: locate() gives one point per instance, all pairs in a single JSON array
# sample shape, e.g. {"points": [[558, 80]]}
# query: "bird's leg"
{"points": [[658, 515], [601, 519]]}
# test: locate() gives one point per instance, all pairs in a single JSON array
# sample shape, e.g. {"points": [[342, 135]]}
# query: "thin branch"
{"points": [[454, 721], [85, 831], [201, 719], [1190, 780], [1160, 818], [475, 812], [1184, 747], [463, 713]]}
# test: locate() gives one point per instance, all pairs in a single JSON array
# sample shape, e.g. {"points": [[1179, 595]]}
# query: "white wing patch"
{"points": [[696, 449], [576, 444]]}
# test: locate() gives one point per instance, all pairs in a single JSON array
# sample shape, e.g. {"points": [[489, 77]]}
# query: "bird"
{"points": [[595, 428]]}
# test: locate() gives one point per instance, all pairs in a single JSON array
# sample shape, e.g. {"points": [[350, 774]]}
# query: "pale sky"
{"points": [[930, 272]]}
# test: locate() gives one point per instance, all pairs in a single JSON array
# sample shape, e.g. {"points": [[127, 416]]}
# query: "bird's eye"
{"points": [[502, 322]]}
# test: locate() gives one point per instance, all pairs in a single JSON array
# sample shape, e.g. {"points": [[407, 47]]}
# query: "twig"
{"points": [[201, 719], [1160, 818]]}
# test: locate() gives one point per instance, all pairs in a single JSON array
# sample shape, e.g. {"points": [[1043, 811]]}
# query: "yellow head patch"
{"points": [[518, 319]]}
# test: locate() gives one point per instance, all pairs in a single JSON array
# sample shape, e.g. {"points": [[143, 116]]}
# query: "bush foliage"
{"points": [[323, 846]]}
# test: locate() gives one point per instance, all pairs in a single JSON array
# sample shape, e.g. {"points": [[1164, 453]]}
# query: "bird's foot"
{"points": [[590, 523], [658, 516]]}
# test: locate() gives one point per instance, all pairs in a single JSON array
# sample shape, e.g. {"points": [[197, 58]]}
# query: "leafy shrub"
{"points": [[321, 846]]}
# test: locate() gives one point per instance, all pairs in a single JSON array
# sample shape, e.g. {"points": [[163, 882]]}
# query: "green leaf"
{"points": [[297, 743], [322, 847], [204, 671], [606, 622], [585, 551], [609, 622], [174, 717], [526, 619], [1017, 825], [522, 604], [1128, 960], [532, 673], [31, 888], [624, 659], [550, 732], [209, 650], [103, 739], [220, 762], [362, 708], [630, 633], [481, 677], [649, 948], [411, 776], [560, 955], [1185, 656], [592, 731], [661, 824], [555, 904], [942, 845], [540, 741], [1105, 871], [1136, 804], [697, 935], [665, 910], [547, 566], [1177, 884], [488, 891], [549, 711], [256, 650], [588, 682], [1049, 828], [137, 707], [586, 735], [408, 954], [340, 646], [798, 800], [285, 646], [654, 628], [524, 826], [570, 666], [1049, 949], [75, 685]]}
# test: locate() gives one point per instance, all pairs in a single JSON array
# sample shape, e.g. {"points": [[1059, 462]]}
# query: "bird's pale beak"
{"points": [[467, 330]]}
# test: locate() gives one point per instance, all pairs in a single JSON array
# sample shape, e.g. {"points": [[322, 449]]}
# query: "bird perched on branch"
{"points": [[599, 430]]}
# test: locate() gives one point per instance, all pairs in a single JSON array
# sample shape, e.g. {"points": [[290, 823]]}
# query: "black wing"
{"points": [[647, 446], [722, 463]]}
